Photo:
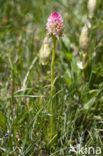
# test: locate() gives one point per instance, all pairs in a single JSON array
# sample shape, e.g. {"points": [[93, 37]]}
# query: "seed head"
{"points": [[91, 7], [44, 52], [83, 41], [55, 25]]}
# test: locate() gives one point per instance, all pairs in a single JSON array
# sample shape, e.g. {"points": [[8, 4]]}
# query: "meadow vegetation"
{"points": [[25, 83]]}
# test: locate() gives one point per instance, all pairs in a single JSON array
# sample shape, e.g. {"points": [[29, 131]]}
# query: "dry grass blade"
{"points": [[27, 75]]}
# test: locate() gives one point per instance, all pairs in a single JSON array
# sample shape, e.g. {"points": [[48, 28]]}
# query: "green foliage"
{"points": [[78, 99]]}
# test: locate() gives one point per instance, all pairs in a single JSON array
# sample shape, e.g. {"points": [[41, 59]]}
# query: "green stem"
{"points": [[52, 89], [84, 62]]}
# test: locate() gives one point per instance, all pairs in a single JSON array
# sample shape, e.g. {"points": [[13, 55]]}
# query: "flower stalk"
{"points": [[55, 28], [52, 126]]}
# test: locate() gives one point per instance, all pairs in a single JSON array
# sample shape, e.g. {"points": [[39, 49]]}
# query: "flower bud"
{"points": [[83, 41], [44, 52], [55, 25], [91, 7]]}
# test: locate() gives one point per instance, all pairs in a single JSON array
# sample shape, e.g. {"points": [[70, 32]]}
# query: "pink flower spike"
{"points": [[55, 25]]}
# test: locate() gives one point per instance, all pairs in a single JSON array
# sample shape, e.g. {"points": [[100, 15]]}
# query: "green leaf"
{"points": [[66, 41], [88, 104], [2, 121]]}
